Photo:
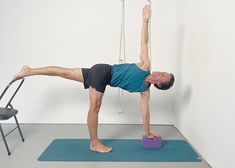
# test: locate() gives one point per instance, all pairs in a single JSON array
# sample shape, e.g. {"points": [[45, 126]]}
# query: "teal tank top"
{"points": [[129, 77]]}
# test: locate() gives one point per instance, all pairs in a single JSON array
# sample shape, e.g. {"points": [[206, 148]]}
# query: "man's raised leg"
{"points": [[68, 73], [92, 121]]}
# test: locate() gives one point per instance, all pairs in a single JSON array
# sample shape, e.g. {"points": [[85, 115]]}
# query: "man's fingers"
{"points": [[147, 8], [153, 136]]}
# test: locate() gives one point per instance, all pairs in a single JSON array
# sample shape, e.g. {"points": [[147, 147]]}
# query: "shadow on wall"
{"points": [[182, 101], [183, 93], [185, 97]]}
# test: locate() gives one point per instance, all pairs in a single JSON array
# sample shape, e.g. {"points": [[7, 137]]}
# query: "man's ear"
{"points": [[159, 84]]}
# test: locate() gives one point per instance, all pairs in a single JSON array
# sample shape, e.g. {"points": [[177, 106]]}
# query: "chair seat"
{"points": [[6, 113]]}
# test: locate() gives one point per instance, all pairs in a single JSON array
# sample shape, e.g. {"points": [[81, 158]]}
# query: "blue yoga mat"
{"points": [[124, 150]]}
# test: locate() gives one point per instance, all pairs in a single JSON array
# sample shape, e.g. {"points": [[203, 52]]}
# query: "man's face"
{"points": [[161, 77]]}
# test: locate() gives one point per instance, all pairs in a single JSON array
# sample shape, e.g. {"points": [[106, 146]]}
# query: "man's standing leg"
{"points": [[92, 121]]}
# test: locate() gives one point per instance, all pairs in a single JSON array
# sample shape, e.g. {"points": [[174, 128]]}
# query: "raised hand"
{"points": [[146, 14]]}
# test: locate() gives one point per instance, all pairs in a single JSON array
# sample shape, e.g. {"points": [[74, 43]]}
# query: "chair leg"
{"points": [[4, 140], [18, 126]]}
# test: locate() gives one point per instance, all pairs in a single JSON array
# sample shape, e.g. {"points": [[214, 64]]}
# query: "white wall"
{"points": [[73, 33], [205, 94]]}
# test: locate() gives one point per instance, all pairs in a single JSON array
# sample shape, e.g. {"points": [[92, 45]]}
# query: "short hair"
{"points": [[168, 85]]}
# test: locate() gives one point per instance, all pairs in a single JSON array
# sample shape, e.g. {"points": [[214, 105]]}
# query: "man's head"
{"points": [[161, 80]]}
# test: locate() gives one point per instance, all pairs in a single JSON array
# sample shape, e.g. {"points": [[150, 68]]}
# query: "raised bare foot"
{"points": [[23, 72], [99, 147]]}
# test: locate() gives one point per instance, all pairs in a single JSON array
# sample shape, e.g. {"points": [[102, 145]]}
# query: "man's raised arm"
{"points": [[144, 58]]}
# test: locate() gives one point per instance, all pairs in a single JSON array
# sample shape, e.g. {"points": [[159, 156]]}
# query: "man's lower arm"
{"points": [[146, 119], [144, 35]]}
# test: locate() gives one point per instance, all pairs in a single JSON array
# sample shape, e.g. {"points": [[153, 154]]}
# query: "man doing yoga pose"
{"points": [[135, 77]]}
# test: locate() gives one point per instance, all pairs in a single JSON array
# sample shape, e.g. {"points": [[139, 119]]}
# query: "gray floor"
{"points": [[38, 136]]}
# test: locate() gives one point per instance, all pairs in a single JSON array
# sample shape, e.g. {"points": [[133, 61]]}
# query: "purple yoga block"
{"points": [[152, 142]]}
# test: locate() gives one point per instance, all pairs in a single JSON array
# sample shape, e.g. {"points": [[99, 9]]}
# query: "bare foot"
{"points": [[23, 72], [99, 147]]}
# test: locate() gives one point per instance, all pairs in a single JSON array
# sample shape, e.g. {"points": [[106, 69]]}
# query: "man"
{"points": [[130, 77]]}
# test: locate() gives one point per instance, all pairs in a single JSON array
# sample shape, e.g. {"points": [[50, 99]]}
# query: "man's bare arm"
{"points": [[145, 111], [144, 57], [146, 115]]}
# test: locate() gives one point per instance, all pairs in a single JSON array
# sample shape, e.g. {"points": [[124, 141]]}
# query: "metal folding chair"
{"points": [[8, 112]]}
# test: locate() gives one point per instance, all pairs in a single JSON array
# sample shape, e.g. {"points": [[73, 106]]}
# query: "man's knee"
{"points": [[95, 107], [95, 99]]}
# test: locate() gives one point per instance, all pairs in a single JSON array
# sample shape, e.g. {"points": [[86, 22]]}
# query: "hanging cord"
{"points": [[122, 36], [121, 59], [150, 42]]}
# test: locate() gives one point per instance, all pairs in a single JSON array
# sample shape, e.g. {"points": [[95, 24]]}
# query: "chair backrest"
{"points": [[7, 87]]}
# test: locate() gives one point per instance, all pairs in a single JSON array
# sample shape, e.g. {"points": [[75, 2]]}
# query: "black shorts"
{"points": [[98, 76]]}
